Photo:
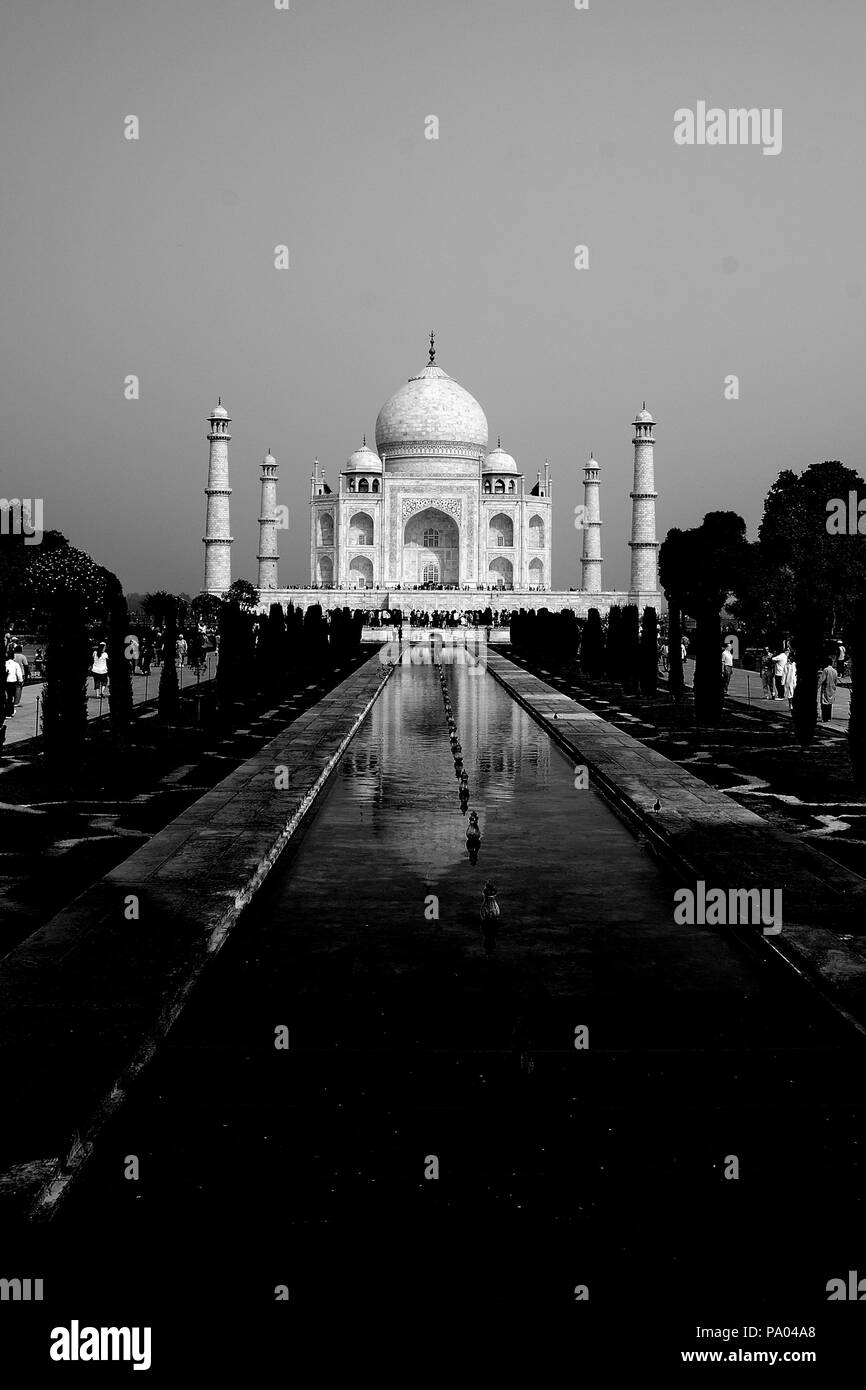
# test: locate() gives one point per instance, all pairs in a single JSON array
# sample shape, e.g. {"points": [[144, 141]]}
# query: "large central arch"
{"points": [[431, 545]]}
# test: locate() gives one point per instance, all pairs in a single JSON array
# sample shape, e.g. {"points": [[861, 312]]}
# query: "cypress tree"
{"points": [[613, 649], [68, 656], [809, 657], [315, 640], [857, 720], [119, 669], [592, 646], [630, 636], [168, 703], [709, 690], [272, 637], [649, 653], [230, 657], [676, 682]]}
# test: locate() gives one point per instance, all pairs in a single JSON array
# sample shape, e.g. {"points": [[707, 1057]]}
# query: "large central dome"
{"points": [[431, 408]]}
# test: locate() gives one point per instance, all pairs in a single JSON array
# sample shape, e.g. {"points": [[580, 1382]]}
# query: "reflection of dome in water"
{"points": [[431, 407]]}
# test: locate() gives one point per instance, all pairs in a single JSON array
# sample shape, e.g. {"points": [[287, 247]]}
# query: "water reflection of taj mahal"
{"points": [[431, 509]]}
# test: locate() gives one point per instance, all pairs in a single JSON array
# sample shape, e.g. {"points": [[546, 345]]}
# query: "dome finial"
{"points": [[432, 349], [365, 441], [499, 441]]}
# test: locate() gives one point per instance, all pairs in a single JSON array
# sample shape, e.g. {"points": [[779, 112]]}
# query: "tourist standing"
{"points": [[790, 682], [827, 683], [727, 667], [14, 677], [99, 670], [766, 667], [131, 651], [840, 662], [780, 661]]}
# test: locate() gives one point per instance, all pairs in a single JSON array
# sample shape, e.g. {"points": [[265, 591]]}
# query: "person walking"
{"points": [[18, 655], [780, 661], [14, 678], [840, 662], [827, 684], [727, 668], [99, 670], [790, 682]]}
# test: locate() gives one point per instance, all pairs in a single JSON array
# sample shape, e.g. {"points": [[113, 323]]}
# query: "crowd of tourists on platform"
{"points": [[420, 617]]}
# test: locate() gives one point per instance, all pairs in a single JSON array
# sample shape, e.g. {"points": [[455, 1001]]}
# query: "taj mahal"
{"points": [[431, 509]]}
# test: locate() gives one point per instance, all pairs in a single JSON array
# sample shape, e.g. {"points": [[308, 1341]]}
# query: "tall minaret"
{"points": [[643, 543], [217, 538], [268, 556], [590, 562]]}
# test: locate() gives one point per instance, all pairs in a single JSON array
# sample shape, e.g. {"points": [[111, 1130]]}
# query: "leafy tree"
{"points": [[245, 594], [799, 559], [205, 608], [63, 570], [160, 606]]}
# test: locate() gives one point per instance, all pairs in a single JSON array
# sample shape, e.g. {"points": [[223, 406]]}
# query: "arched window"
{"points": [[326, 529], [536, 532], [374, 487], [487, 486], [361, 529], [431, 538], [363, 485], [536, 574], [501, 531], [431, 573], [499, 486], [351, 484], [512, 487]]}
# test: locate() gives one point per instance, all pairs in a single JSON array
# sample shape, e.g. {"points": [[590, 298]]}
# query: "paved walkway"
{"points": [[27, 718], [746, 689], [85, 1000]]}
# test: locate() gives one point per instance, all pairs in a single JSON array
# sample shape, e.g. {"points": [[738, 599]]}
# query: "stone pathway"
{"points": [[26, 721]]}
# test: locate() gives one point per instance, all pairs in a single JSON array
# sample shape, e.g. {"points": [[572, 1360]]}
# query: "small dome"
{"points": [[498, 461], [363, 460], [269, 458], [643, 417], [219, 412]]}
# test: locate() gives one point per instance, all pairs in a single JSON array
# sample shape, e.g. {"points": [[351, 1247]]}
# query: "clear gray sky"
{"points": [[306, 127]]}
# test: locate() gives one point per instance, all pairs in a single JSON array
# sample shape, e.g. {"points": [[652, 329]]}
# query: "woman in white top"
{"points": [[99, 669], [790, 680]]}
